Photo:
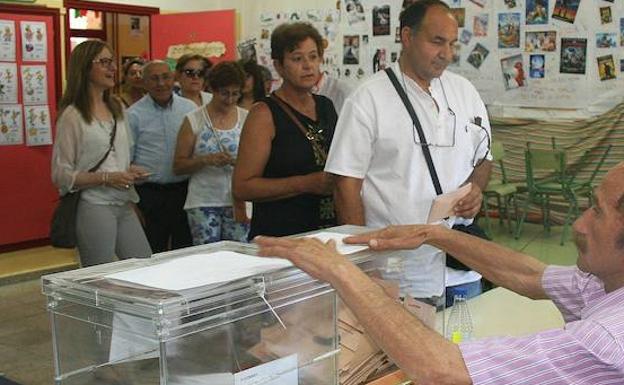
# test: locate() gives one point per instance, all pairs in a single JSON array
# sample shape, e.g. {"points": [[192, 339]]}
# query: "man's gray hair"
{"points": [[148, 66]]}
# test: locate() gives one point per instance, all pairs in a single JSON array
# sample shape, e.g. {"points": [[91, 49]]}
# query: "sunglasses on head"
{"points": [[194, 73]]}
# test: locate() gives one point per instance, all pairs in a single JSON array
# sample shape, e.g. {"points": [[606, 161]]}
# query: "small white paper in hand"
{"points": [[443, 205]]}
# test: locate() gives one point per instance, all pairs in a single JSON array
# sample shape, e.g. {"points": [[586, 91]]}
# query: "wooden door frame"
{"points": [[105, 7]]}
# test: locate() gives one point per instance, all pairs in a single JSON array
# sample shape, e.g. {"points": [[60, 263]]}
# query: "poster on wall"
{"points": [[381, 20], [537, 66], [513, 72], [34, 84], [38, 127], [8, 83], [477, 55], [351, 49], [11, 131], [573, 56], [606, 67], [565, 10], [7, 40], [543, 41], [480, 25], [34, 41], [537, 12], [509, 30]]}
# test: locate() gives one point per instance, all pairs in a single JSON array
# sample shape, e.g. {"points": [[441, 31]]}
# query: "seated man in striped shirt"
{"points": [[590, 296]]}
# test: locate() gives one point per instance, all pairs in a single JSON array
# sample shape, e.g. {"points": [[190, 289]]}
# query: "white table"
{"points": [[500, 312]]}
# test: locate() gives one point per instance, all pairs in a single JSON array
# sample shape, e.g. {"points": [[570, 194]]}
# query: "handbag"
{"points": [[63, 224], [473, 228]]}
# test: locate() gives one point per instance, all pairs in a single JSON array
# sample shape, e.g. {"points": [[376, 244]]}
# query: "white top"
{"points": [[337, 90], [375, 141], [80, 145], [205, 97], [211, 186]]}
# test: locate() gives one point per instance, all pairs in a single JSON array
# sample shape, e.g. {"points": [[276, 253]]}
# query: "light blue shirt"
{"points": [[155, 131]]}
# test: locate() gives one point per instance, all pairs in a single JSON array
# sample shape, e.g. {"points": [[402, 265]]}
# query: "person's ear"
{"points": [[406, 36]]}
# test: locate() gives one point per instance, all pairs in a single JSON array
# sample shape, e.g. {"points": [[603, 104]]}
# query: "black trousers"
{"points": [[162, 206]]}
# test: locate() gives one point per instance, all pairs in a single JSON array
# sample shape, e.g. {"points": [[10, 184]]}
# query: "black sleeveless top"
{"points": [[292, 154]]}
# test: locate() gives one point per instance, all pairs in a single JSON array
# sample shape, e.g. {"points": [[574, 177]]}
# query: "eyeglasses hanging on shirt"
{"points": [[445, 132]]}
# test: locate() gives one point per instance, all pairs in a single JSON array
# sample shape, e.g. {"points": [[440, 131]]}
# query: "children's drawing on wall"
{"points": [[540, 41], [381, 20], [34, 84], [7, 40], [480, 25], [573, 56], [606, 67], [565, 10], [509, 30], [34, 41], [351, 49], [477, 55], [537, 64], [537, 12], [8, 83], [11, 131], [513, 72], [38, 128]]}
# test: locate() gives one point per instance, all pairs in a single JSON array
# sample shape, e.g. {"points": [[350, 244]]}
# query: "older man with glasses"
{"points": [[391, 162], [154, 124]]}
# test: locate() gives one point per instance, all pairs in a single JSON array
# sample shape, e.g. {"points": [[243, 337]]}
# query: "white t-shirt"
{"points": [[211, 186], [375, 141]]}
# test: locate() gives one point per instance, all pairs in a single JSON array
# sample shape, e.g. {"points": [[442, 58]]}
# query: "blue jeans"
{"points": [[473, 289]]}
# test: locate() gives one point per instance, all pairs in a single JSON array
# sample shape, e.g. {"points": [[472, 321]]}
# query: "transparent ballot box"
{"points": [[164, 320], [216, 315]]}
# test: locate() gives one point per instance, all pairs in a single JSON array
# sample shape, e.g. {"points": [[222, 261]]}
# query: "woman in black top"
{"points": [[285, 140]]}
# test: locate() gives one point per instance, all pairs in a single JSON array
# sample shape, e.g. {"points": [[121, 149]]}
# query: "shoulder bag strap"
{"points": [[286, 108], [208, 122], [110, 146], [421, 134]]}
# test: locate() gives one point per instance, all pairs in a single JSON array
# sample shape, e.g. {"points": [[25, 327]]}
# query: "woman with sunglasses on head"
{"points": [[132, 82], [190, 74], [284, 142], [91, 154], [207, 148]]}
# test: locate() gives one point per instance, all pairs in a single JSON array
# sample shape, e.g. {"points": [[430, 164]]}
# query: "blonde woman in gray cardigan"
{"points": [[106, 223]]}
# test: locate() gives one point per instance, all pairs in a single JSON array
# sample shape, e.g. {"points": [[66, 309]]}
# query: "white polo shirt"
{"points": [[374, 140]]}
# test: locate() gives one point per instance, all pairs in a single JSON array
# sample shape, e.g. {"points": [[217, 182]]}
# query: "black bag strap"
{"points": [[110, 146], [421, 134]]}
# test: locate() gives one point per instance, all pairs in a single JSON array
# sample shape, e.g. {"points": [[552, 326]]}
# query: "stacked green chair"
{"points": [[501, 189], [556, 181]]}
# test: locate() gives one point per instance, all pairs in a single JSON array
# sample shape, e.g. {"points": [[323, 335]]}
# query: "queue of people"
{"points": [[195, 159]]}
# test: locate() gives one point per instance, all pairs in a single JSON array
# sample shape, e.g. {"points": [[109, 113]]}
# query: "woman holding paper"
{"points": [[285, 140], [91, 156]]}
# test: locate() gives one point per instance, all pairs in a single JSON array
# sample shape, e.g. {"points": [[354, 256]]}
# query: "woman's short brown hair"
{"points": [[225, 74], [189, 57], [287, 37]]}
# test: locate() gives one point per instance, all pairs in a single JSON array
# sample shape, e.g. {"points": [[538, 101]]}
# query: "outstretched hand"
{"points": [[309, 254], [394, 237]]}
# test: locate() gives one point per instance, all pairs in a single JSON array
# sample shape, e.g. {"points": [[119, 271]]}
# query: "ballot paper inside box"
{"points": [[146, 321]]}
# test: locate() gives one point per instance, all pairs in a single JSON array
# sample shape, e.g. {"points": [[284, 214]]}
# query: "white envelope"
{"points": [[443, 205]]}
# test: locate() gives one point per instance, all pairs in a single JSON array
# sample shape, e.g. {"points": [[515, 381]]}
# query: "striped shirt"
{"points": [[588, 350]]}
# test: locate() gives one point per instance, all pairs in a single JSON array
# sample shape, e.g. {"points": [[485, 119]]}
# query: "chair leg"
{"points": [[500, 210], [573, 210], [523, 216], [507, 212], [487, 216]]}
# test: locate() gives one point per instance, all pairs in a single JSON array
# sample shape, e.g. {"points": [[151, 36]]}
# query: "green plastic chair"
{"points": [[557, 182], [501, 189]]}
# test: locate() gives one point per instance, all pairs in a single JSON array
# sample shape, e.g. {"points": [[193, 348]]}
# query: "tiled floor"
{"points": [[25, 340]]}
